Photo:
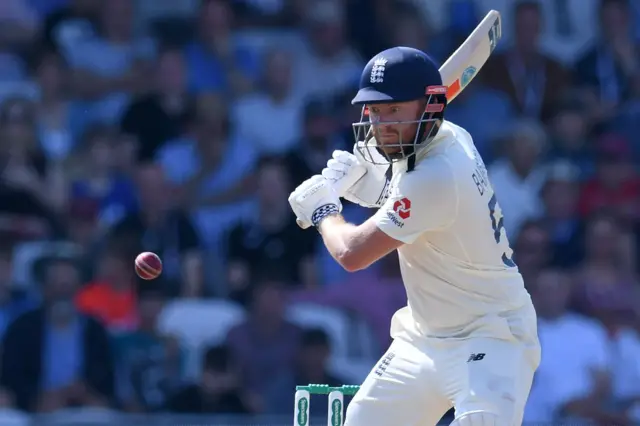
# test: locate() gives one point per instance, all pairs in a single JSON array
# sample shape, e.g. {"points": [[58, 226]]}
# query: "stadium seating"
{"points": [[184, 319]]}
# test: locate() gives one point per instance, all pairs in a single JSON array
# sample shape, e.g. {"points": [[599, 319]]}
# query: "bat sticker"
{"points": [[467, 75]]}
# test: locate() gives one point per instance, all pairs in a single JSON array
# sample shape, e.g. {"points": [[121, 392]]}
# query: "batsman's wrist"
{"points": [[323, 212]]}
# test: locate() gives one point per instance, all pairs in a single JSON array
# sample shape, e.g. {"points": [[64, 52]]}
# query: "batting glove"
{"points": [[356, 179], [343, 171], [314, 200]]}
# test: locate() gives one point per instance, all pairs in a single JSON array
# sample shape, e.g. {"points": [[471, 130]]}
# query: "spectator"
{"points": [[20, 27], [519, 176], [344, 113], [84, 229], [57, 123], [110, 297], [216, 61], [219, 390], [97, 180], [386, 294], [560, 195], [566, 34], [213, 169], [150, 364], [449, 23], [459, 17], [14, 301], [319, 139], [268, 241], [126, 155], [485, 113], [580, 394], [112, 67], [20, 23], [272, 116], [606, 284], [327, 65], [165, 113], [410, 29], [162, 229], [311, 366], [368, 24], [532, 249], [70, 24], [615, 185], [263, 15], [626, 371], [627, 121], [605, 71], [533, 80], [55, 357], [30, 187], [265, 344], [8, 413], [169, 20], [569, 136]]}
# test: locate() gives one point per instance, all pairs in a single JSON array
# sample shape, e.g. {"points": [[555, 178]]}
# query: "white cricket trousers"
{"points": [[419, 379]]}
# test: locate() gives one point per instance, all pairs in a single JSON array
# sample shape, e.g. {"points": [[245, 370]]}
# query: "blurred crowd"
{"points": [[180, 127]]}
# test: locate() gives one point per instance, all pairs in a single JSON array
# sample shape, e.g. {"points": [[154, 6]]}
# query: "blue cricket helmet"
{"points": [[401, 74]]}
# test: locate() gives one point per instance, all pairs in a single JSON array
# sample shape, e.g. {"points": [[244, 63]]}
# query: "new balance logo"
{"points": [[382, 367], [476, 357], [377, 71]]}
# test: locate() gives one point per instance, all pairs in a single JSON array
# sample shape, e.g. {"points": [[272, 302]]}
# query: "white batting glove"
{"points": [[343, 171], [356, 179], [313, 200]]}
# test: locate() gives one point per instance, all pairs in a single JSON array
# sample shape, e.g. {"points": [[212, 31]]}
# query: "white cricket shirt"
{"points": [[456, 261]]}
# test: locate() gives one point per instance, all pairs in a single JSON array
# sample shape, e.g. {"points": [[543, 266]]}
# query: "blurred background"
{"points": [[181, 126]]}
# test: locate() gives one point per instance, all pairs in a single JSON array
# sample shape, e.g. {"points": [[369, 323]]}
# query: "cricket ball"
{"points": [[148, 265]]}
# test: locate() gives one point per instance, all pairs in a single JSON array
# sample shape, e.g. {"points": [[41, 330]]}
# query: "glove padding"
{"points": [[343, 171], [313, 200], [356, 179]]}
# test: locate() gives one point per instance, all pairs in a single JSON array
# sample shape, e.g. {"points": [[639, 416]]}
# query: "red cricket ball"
{"points": [[148, 265]]}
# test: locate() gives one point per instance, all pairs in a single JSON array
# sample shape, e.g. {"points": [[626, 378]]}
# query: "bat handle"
{"points": [[302, 225]]}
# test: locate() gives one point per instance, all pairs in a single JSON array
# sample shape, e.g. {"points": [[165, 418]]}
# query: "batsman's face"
{"points": [[395, 123]]}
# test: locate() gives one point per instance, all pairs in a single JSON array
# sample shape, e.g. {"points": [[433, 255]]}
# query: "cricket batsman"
{"points": [[467, 337]]}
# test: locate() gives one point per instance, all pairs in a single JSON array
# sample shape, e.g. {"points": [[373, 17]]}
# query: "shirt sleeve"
{"points": [[425, 199]]}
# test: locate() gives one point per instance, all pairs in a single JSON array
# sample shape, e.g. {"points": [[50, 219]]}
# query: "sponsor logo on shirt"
{"points": [[392, 217], [401, 211], [403, 208]]}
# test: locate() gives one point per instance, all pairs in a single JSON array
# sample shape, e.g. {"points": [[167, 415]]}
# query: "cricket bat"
{"points": [[463, 65]]}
